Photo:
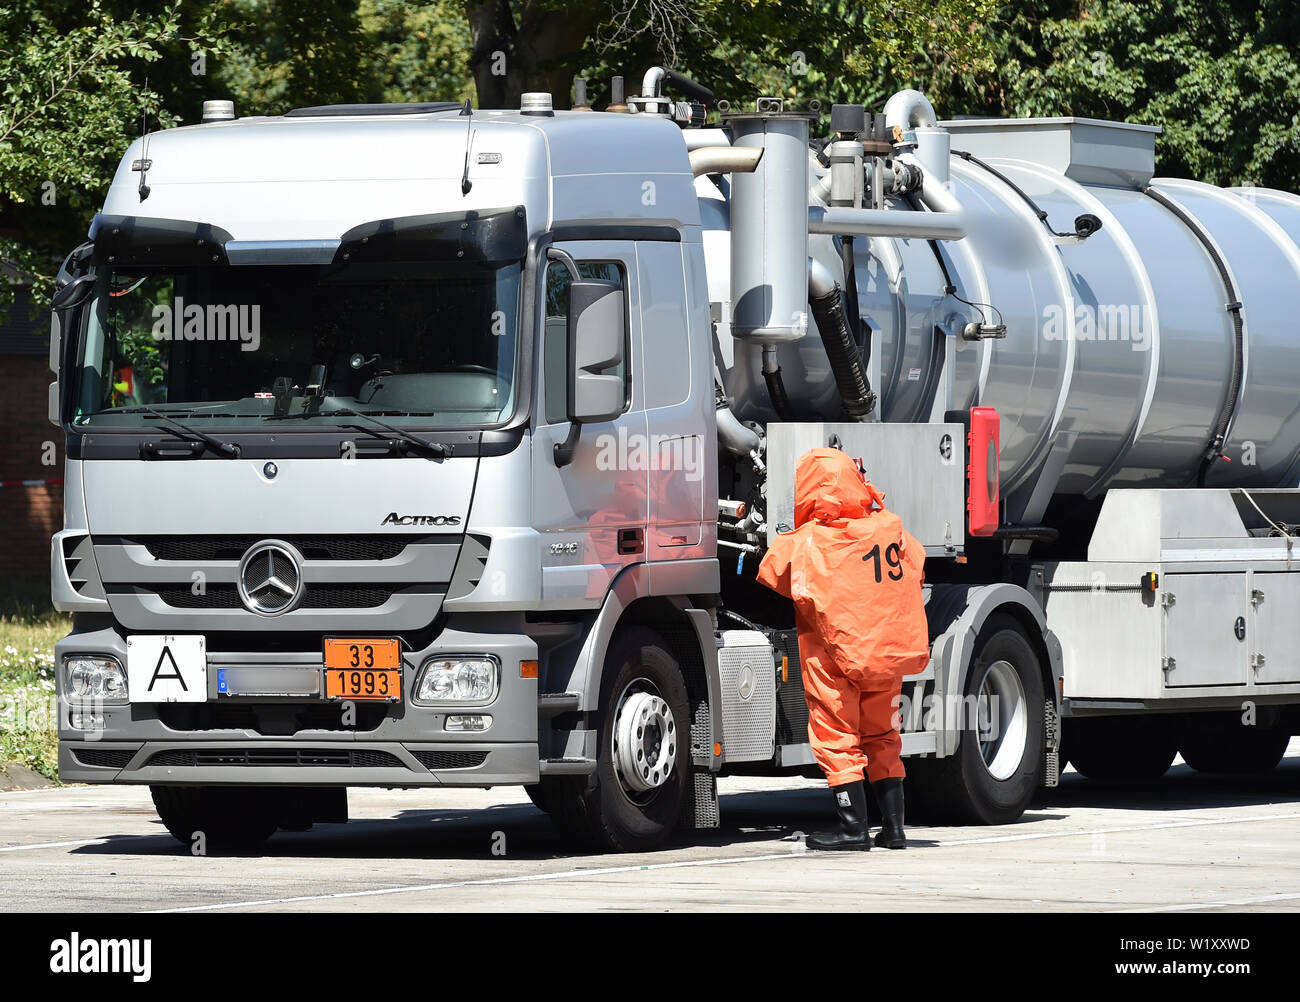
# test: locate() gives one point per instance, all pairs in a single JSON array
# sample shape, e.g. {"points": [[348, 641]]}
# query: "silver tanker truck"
{"points": [[415, 446]]}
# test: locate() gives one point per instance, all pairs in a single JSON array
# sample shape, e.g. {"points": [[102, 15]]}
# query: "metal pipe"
{"points": [[652, 84], [820, 280], [737, 438], [909, 109], [725, 159], [934, 225], [699, 138]]}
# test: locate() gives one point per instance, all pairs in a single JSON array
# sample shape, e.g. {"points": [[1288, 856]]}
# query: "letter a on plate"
{"points": [[166, 669]]}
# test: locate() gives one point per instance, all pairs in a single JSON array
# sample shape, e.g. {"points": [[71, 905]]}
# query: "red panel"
{"points": [[982, 473]]}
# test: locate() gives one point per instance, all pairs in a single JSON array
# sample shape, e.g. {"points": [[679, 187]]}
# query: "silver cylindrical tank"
{"points": [[769, 230], [1119, 348]]}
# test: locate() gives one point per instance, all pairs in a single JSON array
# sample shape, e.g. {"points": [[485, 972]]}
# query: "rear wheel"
{"points": [[1217, 747], [995, 771], [228, 817], [632, 802], [1126, 749]]}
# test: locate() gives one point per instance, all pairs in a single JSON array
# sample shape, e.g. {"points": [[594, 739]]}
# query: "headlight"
{"points": [[457, 680], [100, 679]]}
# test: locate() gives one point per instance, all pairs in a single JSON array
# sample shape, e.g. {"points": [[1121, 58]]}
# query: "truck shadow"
{"points": [[778, 818], [1180, 789]]}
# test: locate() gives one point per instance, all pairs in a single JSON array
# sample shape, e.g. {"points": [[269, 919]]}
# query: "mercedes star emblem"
{"points": [[270, 578]]}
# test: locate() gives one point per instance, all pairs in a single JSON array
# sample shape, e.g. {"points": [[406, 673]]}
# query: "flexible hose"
{"points": [[776, 385], [843, 353]]}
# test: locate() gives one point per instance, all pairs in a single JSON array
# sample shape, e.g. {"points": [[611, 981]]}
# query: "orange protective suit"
{"points": [[854, 574]]}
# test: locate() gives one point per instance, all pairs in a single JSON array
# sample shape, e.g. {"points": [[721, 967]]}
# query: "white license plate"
{"points": [[162, 668]]}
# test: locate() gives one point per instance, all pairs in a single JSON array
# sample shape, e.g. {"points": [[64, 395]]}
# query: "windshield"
{"points": [[432, 344]]}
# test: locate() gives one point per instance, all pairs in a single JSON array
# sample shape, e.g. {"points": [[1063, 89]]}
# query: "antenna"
{"points": [[144, 142], [465, 183]]}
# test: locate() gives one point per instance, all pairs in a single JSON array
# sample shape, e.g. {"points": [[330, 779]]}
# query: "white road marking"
{"points": [[605, 871], [52, 845], [526, 879], [1196, 823]]}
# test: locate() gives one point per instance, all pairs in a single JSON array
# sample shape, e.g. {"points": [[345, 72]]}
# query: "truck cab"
{"points": [[382, 422]]}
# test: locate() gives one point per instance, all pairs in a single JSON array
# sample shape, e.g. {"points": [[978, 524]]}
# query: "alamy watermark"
{"points": [[1111, 322], [634, 451], [179, 321]]}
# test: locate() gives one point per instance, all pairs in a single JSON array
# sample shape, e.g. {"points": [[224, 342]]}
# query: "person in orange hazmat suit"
{"points": [[855, 575]]}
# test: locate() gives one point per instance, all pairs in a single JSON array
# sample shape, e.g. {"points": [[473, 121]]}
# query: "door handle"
{"points": [[631, 541]]}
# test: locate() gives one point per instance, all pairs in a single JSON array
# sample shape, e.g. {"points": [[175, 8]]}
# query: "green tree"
{"points": [[1222, 77], [832, 50], [66, 96], [416, 51]]}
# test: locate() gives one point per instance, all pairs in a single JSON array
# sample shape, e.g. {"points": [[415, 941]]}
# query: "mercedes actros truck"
{"points": [[421, 446]]}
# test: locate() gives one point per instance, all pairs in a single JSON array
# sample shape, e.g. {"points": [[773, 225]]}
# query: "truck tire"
{"points": [[540, 793], [1233, 748], [1125, 749], [228, 817], [990, 781], [632, 801]]}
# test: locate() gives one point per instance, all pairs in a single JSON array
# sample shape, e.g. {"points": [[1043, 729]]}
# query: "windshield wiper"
{"points": [[437, 448], [225, 448]]}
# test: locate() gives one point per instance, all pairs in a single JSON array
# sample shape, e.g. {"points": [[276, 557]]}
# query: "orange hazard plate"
{"points": [[363, 668]]}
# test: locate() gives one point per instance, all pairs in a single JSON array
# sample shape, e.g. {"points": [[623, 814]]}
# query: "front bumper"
{"points": [[303, 761], [307, 741]]}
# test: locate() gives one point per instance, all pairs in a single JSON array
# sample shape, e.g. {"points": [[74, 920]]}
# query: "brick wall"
{"points": [[28, 515]]}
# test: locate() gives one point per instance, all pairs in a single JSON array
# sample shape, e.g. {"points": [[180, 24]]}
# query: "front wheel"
{"points": [[223, 816], [632, 802], [995, 771]]}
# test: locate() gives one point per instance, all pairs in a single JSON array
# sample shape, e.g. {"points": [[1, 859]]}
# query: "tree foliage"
{"points": [[1221, 76]]}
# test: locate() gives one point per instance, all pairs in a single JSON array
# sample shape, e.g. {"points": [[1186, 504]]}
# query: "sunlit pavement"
{"points": [[1190, 842]]}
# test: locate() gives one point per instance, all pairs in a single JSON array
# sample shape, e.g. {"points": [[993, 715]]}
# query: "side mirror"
{"points": [[74, 293], [597, 333]]}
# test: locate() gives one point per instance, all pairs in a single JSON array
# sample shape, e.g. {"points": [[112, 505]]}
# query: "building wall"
{"points": [[29, 515]]}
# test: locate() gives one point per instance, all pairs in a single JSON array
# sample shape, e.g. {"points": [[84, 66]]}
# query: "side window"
{"points": [[555, 337]]}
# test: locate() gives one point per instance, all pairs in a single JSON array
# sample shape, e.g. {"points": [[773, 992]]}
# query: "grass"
{"points": [[29, 627]]}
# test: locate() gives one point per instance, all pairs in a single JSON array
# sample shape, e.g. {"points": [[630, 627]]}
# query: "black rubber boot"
{"points": [[889, 795], [851, 805]]}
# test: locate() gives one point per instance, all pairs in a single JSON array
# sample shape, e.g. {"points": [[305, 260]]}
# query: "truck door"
{"points": [[678, 409], [591, 513]]}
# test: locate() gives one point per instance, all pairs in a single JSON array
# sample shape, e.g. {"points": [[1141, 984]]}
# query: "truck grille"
{"points": [[311, 547], [270, 719], [104, 758], [346, 581], [360, 758], [436, 761], [321, 596]]}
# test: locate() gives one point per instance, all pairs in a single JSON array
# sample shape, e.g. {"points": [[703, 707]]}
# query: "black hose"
{"points": [[1085, 225], [843, 353], [935, 361], [1038, 533], [776, 390], [1219, 431], [748, 624], [851, 294]]}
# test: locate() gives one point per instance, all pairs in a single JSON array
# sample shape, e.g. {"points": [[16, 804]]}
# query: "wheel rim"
{"points": [[645, 742], [1002, 720]]}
